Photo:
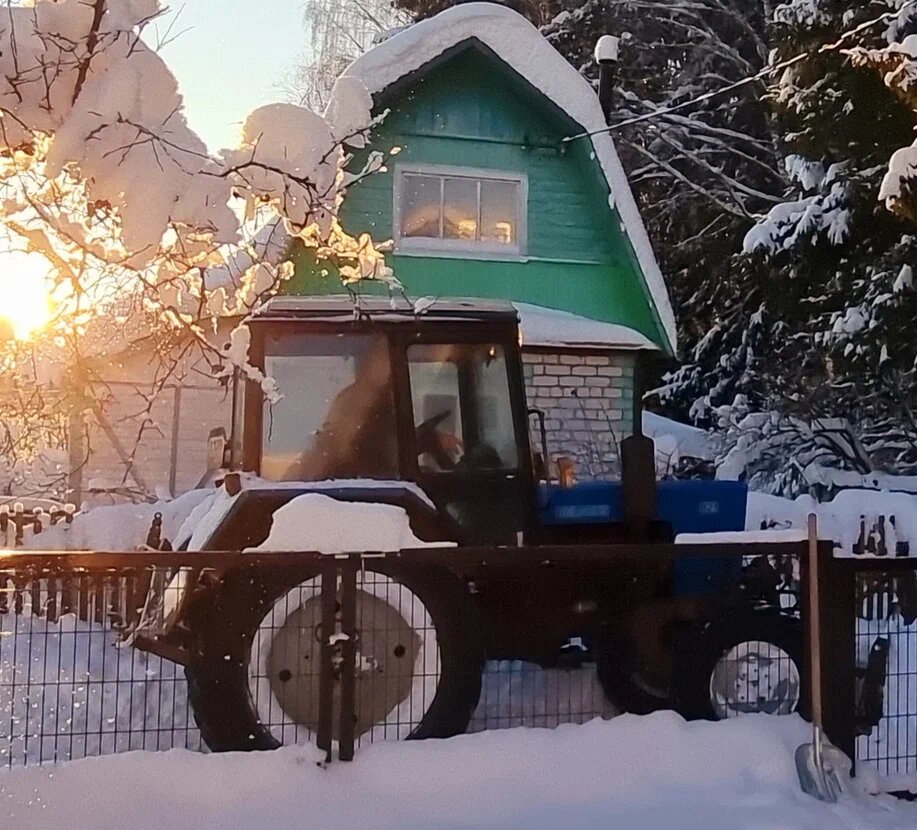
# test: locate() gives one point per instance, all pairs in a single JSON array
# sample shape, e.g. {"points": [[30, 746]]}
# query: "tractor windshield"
{"points": [[463, 416], [336, 417]]}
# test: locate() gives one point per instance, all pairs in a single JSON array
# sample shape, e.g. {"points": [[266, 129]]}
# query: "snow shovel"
{"points": [[823, 769]]}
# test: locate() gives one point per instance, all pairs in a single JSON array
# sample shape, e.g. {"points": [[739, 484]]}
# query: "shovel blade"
{"points": [[822, 777]]}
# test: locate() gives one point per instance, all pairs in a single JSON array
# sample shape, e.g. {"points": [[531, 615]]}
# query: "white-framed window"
{"points": [[460, 210]]}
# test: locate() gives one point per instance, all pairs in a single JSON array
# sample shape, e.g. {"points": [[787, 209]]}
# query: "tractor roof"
{"points": [[338, 308]]}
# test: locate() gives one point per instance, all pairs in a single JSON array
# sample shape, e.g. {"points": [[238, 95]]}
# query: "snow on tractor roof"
{"points": [[520, 46]]}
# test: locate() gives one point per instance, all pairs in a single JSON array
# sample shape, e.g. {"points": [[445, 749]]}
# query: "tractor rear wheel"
{"points": [[253, 678]]}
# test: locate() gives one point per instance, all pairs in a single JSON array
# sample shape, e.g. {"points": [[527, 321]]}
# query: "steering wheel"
{"points": [[480, 457]]}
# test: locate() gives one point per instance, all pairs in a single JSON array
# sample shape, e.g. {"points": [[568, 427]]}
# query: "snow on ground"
{"points": [[647, 773], [68, 690]]}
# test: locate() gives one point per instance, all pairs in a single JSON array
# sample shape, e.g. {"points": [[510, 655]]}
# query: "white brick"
{"points": [[568, 403], [583, 371], [543, 380], [571, 360], [593, 403], [610, 371], [598, 381], [572, 381], [532, 357], [557, 370], [598, 360]]}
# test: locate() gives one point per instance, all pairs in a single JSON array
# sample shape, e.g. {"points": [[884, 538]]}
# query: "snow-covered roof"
{"points": [[549, 327], [522, 47]]}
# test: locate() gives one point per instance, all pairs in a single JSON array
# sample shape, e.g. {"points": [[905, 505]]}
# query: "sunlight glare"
{"points": [[24, 301]]}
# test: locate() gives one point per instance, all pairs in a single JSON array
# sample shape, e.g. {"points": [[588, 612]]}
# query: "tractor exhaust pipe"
{"points": [[638, 472]]}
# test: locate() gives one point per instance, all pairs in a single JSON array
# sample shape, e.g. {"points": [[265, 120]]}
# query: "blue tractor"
{"points": [[428, 413]]}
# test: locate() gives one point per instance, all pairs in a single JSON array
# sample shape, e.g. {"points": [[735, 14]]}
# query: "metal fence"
{"points": [[870, 635], [345, 651]]}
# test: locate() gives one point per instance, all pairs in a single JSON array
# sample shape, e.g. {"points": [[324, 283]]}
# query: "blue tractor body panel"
{"points": [[689, 506]]}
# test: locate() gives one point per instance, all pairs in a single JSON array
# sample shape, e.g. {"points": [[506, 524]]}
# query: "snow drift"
{"points": [[640, 773]]}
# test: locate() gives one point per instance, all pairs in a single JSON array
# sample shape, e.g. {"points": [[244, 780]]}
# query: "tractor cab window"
{"points": [[463, 416], [335, 418]]}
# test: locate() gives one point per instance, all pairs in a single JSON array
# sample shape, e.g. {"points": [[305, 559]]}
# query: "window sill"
{"points": [[483, 256]]}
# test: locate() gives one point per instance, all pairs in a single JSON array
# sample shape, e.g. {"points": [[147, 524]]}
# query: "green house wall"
{"points": [[472, 111]]}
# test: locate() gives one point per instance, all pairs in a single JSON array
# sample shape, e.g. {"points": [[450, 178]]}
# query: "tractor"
{"points": [[427, 412]]}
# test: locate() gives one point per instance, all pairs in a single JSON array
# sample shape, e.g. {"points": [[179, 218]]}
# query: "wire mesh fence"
{"points": [[71, 686], [106, 653], [886, 670]]}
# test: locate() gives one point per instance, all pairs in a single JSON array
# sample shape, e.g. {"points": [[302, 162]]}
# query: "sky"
{"points": [[231, 59]]}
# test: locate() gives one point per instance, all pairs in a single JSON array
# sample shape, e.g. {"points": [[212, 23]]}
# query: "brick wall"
{"points": [[588, 400]]}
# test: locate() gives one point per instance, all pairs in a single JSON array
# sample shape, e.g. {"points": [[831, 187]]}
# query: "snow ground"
{"points": [[647, 773]]}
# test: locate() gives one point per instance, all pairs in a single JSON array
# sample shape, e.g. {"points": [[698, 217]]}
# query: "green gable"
{"points": [[472, 111]]}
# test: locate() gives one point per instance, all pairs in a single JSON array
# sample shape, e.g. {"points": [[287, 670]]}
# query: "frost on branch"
{"points": [[147, 235], [825, 212]]}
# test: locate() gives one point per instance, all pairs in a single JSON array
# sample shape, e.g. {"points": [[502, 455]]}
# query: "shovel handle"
{"points": [[814, 624]]}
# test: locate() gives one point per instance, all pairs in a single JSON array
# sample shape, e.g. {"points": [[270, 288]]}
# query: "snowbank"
{"points": [[120, 527], [69, 689], [841, 519], [645, 773]]}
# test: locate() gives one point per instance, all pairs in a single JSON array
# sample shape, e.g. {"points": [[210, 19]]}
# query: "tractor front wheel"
{"points": [[743, 663]]}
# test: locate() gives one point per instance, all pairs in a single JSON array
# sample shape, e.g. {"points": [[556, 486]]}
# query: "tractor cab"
{"points": [[381, 394]]}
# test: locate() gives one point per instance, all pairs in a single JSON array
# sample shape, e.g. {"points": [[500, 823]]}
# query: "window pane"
{"points": [[499, 211], [336, 418], [420, 211], [463, 416], [460, 208]]}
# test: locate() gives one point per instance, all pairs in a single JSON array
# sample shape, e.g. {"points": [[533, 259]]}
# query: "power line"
{"points": [[750, 79]]}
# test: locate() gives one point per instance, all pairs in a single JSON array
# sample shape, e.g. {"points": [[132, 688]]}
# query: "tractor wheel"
{"points": [[741, 664], [253, 678]]}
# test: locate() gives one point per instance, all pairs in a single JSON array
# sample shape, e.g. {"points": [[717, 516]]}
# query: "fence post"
{"points": [[326, 677], [348, 715], [838, 648]]}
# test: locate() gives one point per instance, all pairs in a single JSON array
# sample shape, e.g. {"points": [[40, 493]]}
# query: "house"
{"points": [[484, 195]]}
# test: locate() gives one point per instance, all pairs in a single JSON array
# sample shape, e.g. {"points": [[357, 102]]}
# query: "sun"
{"points": [[24, 302]]}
